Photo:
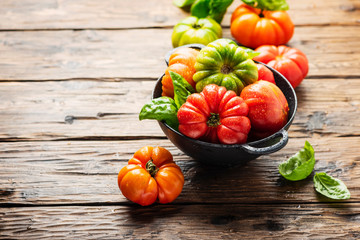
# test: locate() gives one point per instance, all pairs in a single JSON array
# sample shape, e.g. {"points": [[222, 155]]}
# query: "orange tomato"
{"points": [[252, 27], [182, 61], [151, 175]]}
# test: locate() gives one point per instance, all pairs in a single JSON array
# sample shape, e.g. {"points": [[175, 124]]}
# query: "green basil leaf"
{"points": [[271, 5], [161, 109], [330, 187], [250, 52], [215, 9], [183, 3], [182, 89], [299, 166], [218, 9], [200, 8]]}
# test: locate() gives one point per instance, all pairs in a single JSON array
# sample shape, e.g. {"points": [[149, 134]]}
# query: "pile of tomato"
{"points": [[260, 29], [235, 97], [217, 94]]}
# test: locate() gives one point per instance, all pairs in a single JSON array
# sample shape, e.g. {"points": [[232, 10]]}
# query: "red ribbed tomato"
{"points": [[150, 175], [252, 27], [215, 115], [290, 62]]}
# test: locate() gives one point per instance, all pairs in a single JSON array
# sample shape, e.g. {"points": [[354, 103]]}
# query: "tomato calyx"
{"points": [[196, 26], [213, 120], [226, 69], [151, 168]]}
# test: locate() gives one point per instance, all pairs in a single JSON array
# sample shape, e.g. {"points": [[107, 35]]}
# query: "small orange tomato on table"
{"points": [[151, 174]]}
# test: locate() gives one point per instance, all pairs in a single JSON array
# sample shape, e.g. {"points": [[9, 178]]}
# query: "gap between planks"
{"points": [[87, 138], [149, 79], [333, 203], [130, 138], [97, 79], [156, 27]]}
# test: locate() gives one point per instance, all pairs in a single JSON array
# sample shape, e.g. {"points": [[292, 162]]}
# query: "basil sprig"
{"points": [[330, 187], [300, 165], [215, 9], [182, 89], [165, 108], [218, 9], [271, 5], [161, 109], [200, 8]]}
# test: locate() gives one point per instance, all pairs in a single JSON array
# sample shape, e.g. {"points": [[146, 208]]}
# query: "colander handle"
{"points": [[270, 149]]}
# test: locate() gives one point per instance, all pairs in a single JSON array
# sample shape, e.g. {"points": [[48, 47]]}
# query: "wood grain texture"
{"points": [[73, 77], [78, 172], [114, 14], [236, 221], [63, 110], [52, 55]]}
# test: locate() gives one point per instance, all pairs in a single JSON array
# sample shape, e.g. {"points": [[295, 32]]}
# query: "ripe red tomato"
{"points": [[151, 174], [215, 115], [290, 62], [253, 28], [265, 74], [268, 108]]}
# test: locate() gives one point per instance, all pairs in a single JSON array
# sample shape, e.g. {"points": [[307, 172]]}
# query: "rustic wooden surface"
{"points": [[73, 77]]}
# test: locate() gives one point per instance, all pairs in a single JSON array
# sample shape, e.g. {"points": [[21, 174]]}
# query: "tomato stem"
{"points": [[151, 168], [196, 26], [261, 13], [213, 120], [226, 69]]}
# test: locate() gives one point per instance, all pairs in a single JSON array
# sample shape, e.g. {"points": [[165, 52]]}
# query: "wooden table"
{"points": [[73, 78]]}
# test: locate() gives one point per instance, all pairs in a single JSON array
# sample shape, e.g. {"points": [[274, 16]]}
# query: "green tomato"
{"points": [[224, 63], [195, 30]]}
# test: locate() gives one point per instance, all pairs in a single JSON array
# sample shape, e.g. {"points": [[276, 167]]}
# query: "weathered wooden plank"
{"points": [[77, 172], [240, 202], [55, 110], [113, 14], [237, 221], [52, 55]]}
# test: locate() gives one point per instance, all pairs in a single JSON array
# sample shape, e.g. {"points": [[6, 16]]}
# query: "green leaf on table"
{"points": [[271, 5], [300, 165], [330, 187], [182, 89], [183, 3], [161, 109], [215, 9]]}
